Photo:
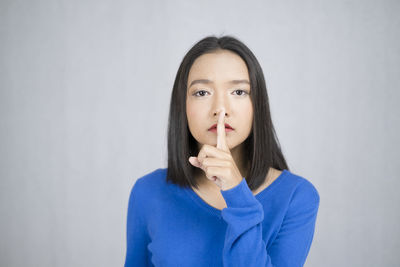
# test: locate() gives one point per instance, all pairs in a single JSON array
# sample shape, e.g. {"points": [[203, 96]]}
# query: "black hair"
{"points": [[262, 149]]}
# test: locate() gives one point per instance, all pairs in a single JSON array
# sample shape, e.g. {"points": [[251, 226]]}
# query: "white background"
{"points": [[84, 102]]}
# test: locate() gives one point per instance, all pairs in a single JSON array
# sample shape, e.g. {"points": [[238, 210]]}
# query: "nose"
{"points": [[220, 102], [216, 112]]}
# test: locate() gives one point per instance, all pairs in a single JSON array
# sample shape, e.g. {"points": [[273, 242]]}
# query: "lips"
{"points": [[226, 126]]}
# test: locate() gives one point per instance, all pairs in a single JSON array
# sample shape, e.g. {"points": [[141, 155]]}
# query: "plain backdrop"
{"points": [[84, 101]]}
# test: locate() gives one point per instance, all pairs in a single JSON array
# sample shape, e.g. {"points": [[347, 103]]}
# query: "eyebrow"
{"points": [[206, 81]]}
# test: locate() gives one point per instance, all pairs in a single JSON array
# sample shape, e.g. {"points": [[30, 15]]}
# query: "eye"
{"points": [[196, 93], [243, 91], [201, 93]]}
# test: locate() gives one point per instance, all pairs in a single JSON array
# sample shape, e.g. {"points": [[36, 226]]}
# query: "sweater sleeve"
{"points": [[136, 231], [244, 246]]}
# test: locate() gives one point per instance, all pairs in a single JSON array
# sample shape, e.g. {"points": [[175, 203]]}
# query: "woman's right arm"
{"points": [[136, 232]]}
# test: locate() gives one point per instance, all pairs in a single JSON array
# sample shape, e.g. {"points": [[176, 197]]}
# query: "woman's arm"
{"points": [[136, 231], [244, 245]]}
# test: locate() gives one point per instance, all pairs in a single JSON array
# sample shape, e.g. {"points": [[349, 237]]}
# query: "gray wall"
{"points": [[84, 99]]}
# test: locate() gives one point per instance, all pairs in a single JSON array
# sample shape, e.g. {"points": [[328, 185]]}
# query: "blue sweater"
{"points": [[172, 226]]}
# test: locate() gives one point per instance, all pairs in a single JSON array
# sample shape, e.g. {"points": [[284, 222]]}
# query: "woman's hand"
{"points": [[217, 162]]}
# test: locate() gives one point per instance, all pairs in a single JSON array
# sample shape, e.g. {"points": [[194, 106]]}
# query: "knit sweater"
{"points": [[171, 226]]}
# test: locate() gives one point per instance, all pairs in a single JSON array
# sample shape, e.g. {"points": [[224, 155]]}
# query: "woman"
{"points": [[227, 197]]}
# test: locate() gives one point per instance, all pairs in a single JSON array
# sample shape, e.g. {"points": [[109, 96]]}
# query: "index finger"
{"points": [[221, 135]]}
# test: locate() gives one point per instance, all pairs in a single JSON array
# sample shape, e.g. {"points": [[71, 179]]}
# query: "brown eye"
{"points": [[243, 92], [201, 91]]}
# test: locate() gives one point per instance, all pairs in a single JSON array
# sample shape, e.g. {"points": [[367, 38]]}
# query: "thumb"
{"points": [[194, 161]]}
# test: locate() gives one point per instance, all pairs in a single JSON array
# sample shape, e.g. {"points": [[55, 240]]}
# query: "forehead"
{"points": [[218, 66]]}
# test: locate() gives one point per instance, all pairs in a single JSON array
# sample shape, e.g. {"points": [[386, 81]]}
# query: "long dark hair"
{"points": [[262, 149]]}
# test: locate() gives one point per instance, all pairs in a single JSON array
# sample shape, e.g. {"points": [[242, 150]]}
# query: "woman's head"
{"points": [[212, 75], [219, 79]]}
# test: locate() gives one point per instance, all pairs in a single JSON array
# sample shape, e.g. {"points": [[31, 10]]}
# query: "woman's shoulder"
{"points": [[303, 190], [151, 180], [148, 188]]}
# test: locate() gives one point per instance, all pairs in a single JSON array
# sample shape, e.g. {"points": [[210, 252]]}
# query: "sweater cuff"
{"points": [[239, 196]]}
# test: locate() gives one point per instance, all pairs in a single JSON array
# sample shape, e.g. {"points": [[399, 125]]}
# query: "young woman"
{"points": [[227, 197]]}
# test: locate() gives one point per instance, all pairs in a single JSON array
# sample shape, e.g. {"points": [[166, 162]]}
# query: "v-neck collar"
{"points": [[217, 212]]}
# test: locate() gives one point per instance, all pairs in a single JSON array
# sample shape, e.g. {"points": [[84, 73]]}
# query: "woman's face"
{"points": [[217, 80]]}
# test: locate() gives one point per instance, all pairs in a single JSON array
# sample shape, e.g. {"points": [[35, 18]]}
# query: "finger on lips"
{"points": [[221, 129], [210, 152]]}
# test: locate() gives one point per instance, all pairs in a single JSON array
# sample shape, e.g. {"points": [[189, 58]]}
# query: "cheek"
{"points": [[251, 113], [246, 109], [193, 114], [247, 115]]}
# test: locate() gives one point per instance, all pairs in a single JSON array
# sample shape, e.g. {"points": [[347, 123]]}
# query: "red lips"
{"points": [[226, 126]]}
